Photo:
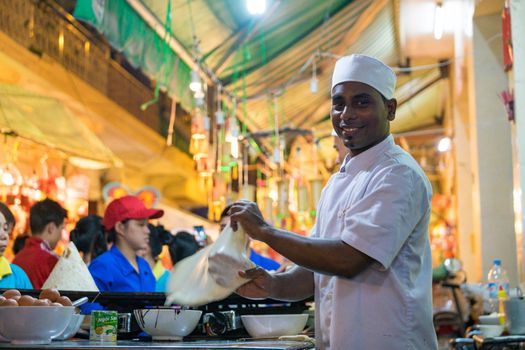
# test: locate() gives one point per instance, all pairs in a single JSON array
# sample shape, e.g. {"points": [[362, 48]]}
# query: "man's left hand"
{"points": [[250, 217]]}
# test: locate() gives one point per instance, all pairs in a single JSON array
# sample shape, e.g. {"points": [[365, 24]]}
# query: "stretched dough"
{"points": [[71, 273], [193, 281]]}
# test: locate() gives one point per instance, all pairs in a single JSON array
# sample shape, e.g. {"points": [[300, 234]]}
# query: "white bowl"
{"points": [[492, 319], [274, 325], [167, 324], [33, 324], [490, 331], [72, 328]]}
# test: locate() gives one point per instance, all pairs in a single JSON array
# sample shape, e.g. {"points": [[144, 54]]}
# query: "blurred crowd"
{"points": [[122, 249]]}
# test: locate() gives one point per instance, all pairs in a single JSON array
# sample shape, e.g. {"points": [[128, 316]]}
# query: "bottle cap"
{"points": [[497, 262]]}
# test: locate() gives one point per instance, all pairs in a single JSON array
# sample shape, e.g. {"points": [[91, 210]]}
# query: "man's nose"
{"points": [[347, 113]]}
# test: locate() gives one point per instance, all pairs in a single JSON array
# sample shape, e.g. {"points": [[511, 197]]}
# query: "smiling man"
{"points": [[368, 260]]}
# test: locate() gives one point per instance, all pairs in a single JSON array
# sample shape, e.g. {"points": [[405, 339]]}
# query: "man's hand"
{"points": [[224, 268], [259, 286], [250, 217]]}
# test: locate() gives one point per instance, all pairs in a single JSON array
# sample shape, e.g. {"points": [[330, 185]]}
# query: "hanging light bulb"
{"points": [[234, 150], [313, 85], [445, 144], [256, 7], [195, 84], [314, 81], [438, 21], [233, 133], [198, 94], [8, 179], [219, 117]]}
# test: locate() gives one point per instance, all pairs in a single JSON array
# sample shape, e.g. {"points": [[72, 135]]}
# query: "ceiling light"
{"points": [[196, 84], [445, 144], [256, 7], [438, 21]]}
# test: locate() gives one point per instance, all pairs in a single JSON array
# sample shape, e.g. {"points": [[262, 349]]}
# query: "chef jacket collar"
{"points": [[364, 159]]}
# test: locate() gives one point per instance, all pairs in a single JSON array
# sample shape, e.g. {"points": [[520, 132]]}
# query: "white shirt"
{"points": [[379, 203]]}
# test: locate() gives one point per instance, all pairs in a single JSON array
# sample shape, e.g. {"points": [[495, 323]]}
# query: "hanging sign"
{"points": [[149, 195]]}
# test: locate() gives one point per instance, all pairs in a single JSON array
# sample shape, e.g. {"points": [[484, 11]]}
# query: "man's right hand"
{"points": [[259, 286]]}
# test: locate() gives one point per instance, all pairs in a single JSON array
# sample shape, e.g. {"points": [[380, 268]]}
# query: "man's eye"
{"points": [[338, 106], [361, 102]]}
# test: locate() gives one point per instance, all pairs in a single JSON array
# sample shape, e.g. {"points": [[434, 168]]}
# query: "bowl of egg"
{"points": [[28, 320]]}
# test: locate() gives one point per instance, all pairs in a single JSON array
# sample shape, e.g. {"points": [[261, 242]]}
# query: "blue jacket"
{"points": [[112, 272], [262, 261]]}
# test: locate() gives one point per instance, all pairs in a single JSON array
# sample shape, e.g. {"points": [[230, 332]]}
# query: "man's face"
{"points": [[360, 116], [55, 234]]}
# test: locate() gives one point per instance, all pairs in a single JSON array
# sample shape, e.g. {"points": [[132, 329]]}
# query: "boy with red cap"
{"points": [[120, 269]]}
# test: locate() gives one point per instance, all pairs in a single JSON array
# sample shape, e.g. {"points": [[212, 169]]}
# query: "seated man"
{"points": [[262, 261], [37, 259]]}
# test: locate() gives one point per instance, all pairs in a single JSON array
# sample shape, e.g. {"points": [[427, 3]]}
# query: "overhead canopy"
{"points": [[266, 61], [46, 121]]}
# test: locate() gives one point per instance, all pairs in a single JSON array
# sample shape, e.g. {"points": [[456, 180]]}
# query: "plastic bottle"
{"points": [[497, 277]]}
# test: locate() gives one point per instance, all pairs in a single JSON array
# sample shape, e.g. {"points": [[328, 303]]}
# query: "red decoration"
{"points": [[508, 56]]}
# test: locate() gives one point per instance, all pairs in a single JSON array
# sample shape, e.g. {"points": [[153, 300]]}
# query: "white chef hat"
{"points": [[333, 133], [367, 70]]}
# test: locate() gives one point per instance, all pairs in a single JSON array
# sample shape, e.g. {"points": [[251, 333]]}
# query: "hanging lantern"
{"points": [[232, 136], [268, 209], [317, 188], [195, 84], [302, 198], [261, 192], [219, 186], [202, 164], [198, 129], [283, 200]]}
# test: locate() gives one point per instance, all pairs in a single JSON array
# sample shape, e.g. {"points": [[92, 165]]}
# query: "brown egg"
{"points": [[42, 302], [64, 301], [51, 294], [10, 293], [2, 298], [26, 300], [56, 304], [9, 302]]}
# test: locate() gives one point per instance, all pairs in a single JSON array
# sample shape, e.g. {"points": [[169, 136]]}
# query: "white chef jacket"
{"points": [[378, 203]]}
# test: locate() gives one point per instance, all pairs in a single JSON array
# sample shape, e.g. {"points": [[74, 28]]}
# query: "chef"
{"points": [[368, 260]]}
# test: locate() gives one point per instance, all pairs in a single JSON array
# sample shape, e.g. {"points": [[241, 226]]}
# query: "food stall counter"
{"points": [[202, 344]]}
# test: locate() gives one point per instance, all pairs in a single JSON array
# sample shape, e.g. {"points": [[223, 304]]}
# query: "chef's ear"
{"points": [[120, 228]]}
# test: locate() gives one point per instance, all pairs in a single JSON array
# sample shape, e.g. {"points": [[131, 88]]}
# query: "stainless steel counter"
{"points": [[202, 344]]}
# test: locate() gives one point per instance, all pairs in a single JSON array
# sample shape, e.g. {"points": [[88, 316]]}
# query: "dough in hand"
{"points": [[211, 274]]}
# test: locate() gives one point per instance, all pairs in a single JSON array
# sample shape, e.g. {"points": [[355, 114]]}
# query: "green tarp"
{"points": [[143, 47]]}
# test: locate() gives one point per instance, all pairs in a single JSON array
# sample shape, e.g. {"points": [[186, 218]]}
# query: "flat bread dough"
{"points": [[71, 273], [211, 274]]}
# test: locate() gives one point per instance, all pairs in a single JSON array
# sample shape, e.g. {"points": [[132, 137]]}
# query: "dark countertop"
{"points": [[133, 345]]}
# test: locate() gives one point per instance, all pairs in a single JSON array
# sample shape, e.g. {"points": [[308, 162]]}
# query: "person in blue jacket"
{"points": [[120, 269], [11, 275], [259, 260]]}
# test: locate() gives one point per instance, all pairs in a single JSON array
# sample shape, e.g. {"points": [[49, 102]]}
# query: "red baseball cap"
{"points": [[126, 208]]}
